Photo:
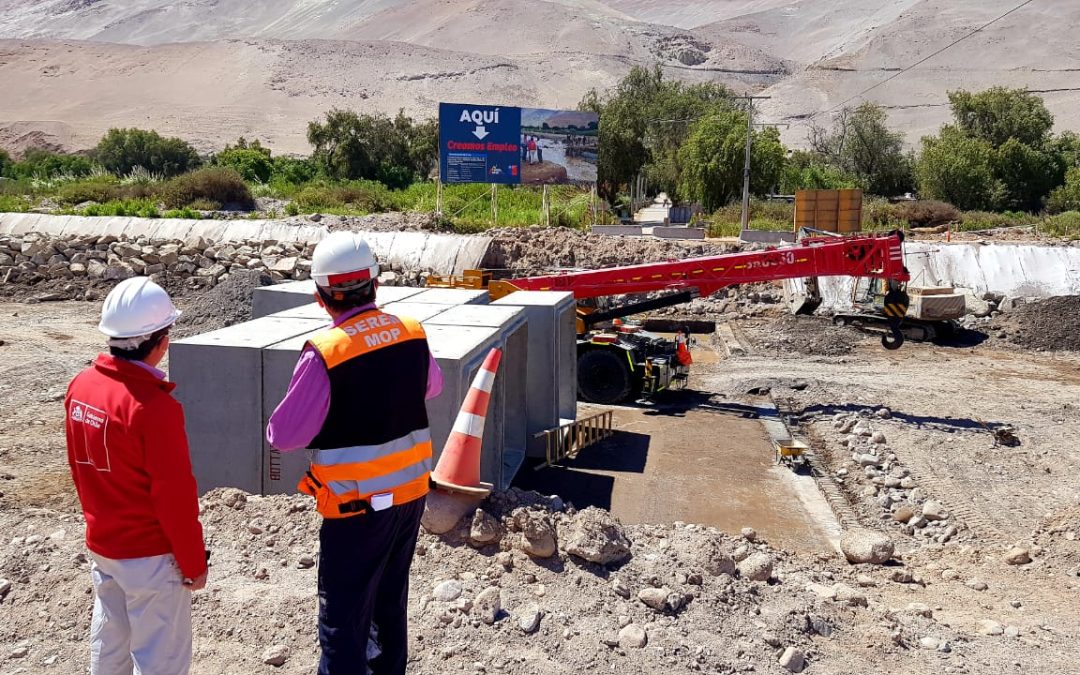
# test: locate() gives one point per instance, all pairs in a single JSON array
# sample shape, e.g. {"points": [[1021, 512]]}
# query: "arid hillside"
{"points": [[209, 71]]}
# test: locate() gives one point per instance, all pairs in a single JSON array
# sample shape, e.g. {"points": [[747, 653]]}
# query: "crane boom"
{"points": [[877, 256]]}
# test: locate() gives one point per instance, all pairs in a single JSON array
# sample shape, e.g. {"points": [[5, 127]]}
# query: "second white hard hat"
{"points": [[136, 307], [343, 260]]}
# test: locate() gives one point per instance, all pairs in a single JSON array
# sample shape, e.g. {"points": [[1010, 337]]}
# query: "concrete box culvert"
{"points": [[500, 467], [219, 378], [551, 372]]}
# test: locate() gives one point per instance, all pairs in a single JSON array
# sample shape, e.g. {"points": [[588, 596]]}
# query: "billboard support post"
{"points": [[495, 204], [438, 197], [547, 207]]}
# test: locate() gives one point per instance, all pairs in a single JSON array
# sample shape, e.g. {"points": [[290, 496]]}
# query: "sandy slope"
{"points": [[212, 69]]}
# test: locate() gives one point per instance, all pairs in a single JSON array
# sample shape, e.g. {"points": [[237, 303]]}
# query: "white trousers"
{"points": [[142, 617]]}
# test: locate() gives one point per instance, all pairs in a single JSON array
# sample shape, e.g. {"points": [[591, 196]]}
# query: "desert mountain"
{"points": [[210, 70]]}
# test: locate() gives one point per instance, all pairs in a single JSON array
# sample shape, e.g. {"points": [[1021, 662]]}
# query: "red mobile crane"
{"points": [[615, 365]]}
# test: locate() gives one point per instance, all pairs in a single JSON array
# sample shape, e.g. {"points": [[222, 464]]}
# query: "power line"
{"points": [[924, 60]]}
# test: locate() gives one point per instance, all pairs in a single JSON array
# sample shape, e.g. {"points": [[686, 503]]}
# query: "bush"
{"points": [[368, 196], [14, 204], [1062, 225], [1066, 197], [134, 208], [927, 213], [216, 185], [100, 190], [250, 160], [878, 215], [49, 165], [185, 213], [121, 150], [294, 171], [985, 220]]}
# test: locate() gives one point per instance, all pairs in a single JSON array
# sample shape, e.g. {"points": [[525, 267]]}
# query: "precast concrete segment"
{"points": [[551, 370], [296, 298], [451, 296], [1016, 270], [441, 253], [511, 395], [459, 351], [219, 378]]}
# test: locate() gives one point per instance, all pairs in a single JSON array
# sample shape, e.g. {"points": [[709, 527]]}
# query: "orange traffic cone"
{"points": [[459, 465]]}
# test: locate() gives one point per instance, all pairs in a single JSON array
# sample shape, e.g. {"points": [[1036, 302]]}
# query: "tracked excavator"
{"points": [[617, 363]]}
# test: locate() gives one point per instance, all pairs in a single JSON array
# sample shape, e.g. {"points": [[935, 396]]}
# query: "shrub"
{"points": [[121, 150], [95, 190], [49, 165], [185, 213], [927, 213], [1065, 224], [218, 185], [141, 208], [293, 170], [250, 160], [366, 196], [14, 204], [878, 214], [291, 209], [1067, 196]]}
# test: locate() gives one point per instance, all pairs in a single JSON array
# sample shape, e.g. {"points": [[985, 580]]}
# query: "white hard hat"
{"points": [[136, 308], [343, 261]]}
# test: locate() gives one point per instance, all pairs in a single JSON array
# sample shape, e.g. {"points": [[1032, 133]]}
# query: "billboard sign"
{"points": [[529, 146]]}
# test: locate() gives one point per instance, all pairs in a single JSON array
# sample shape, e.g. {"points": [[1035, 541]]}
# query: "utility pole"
{"points": [[746, 165]]}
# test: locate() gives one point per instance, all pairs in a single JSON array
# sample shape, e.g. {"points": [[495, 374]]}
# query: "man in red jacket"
{"points": [[129, 458]]}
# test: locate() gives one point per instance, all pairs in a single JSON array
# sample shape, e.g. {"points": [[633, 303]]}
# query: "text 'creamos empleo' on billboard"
{"points": [[527, 146]]}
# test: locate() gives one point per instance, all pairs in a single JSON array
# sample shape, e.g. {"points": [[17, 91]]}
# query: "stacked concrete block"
{"points": [[281, 298], [509, 402], [451, 296], [552, 360], [219, 382]]}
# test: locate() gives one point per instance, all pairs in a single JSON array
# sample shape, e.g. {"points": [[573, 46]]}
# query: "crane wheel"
{"points": [[892, 340], [604, 376]]}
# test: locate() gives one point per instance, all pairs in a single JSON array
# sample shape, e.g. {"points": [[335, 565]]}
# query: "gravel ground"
{"points": [[923, 613]]}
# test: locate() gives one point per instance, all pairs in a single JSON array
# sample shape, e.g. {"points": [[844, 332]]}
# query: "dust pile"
{"points": [[223, 305], [1052, 324], [809, 335]]}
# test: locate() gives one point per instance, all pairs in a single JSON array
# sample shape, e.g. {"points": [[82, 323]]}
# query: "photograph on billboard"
{"points": [[517, 146], [558, 146]]}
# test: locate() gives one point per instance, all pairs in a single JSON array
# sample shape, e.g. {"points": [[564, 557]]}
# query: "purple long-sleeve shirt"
{"points": [[300, 415]]}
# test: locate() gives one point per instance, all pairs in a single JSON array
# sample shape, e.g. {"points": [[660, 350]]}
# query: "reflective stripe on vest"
{"points": [[344, 480]]}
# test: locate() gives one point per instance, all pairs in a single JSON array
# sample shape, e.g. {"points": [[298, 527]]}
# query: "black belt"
{"points": [[355, 506]]}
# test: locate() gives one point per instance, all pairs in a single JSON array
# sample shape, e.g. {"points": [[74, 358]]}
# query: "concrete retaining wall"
{"points": [[1017, 270]]}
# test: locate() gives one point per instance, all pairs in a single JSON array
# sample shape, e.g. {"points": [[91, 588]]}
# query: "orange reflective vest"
{"points": [[374, 449], [682, 351]]}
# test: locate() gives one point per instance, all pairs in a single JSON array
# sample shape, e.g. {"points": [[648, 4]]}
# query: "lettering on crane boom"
{"points": [[780, 258]]}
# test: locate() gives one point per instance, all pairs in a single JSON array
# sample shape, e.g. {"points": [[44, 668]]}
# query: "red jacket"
{"points": [[129, 457]]}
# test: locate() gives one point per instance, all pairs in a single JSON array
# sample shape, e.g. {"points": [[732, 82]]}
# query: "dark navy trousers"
{"points": [[364, 565]]}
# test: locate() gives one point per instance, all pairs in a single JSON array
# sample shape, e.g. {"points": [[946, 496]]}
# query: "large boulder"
{"points": [[865, 546], [596, 536]]}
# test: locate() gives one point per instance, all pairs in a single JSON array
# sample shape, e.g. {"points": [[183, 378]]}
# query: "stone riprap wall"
{"points": [[113, 248]]}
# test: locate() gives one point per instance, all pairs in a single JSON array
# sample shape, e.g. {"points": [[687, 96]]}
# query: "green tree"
{"points": [[1002, 138], [998, 114], [5, 162], [956, 168], [1067, 196], [860, 144], [1026, 175], [804, 170], [250, 160], [121, 150], [644, 122], [713, 156], [395, 151]]}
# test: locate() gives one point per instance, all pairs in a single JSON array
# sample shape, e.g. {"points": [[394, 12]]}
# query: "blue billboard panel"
{"points": [[479, 143], [499, 144]]}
